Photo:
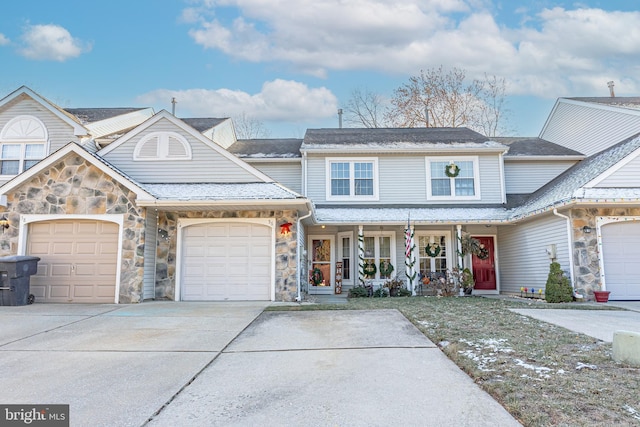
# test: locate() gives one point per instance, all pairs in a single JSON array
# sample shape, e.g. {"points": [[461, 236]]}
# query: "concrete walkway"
{"points": [[203, 364], [600, 324]]}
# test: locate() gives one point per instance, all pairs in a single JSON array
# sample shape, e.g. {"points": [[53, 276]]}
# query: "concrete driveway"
{"points": [[203, 364]]}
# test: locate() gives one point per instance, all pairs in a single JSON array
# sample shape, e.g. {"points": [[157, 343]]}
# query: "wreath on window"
{"points": [[370, 269], [386, 268], [483, 253], [316, 277], [452, 170], [432, 250]]}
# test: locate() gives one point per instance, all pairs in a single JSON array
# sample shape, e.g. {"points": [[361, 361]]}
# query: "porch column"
{"points": [[360, 255], [459, 244]]}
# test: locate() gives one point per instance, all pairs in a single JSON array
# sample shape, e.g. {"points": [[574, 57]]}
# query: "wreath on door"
{"points": [[483, 253], [316, 277], [432, 250]]}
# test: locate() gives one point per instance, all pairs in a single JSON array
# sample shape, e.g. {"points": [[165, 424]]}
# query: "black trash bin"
{"points": [[15, 275]]}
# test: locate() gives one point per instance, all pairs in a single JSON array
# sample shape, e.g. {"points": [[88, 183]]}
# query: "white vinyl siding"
{"points": [[59, 132], [288, 174], [523, 258], [589, 128], [625, 177], [150, 242], [524, 177], [403, 180], [205, 166]]}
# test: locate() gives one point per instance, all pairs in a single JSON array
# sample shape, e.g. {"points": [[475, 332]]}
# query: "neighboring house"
{"points": [[123, 205]]}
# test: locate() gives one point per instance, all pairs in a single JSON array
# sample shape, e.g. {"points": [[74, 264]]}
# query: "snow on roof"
{"points": [[407, 146], [418, 215], [215, 191]]}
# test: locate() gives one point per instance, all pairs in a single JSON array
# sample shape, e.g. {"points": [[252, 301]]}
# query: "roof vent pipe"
{"points": [[611, 92], [173, 106], [340, 118]]}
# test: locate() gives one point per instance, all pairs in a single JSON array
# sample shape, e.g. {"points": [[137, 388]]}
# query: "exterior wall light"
{"points": [[285, 229], [586, 229]]}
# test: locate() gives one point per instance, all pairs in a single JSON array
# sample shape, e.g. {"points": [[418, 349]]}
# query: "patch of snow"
{"points": [[212, 191], [452, 215], [580, 366], [635, 414], [540, 370]]}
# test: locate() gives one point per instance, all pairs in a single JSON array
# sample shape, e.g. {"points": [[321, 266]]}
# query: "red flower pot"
{"points": [[601, 296]]}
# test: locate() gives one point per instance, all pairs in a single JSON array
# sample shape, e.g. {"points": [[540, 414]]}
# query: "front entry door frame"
{"points": [[495, 265], [329, 266]]}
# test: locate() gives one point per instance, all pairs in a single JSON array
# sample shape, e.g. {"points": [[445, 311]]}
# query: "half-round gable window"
{"points": [[23, 143], [162, 146]]}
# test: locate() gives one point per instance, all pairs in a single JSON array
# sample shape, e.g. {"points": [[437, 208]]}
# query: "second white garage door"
{"points": [[226, 261], [621, 256]]}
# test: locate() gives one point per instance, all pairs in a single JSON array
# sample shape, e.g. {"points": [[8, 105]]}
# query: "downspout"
{"points": [[570, 243], [298, 252]]}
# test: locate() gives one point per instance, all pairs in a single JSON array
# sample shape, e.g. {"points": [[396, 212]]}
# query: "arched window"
{"points": [[162, 146], [23, 143]]}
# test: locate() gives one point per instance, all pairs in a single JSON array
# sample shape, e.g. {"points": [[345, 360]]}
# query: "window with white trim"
{"points": [[462, 181], [23, 143], [352, 179], [377, 252], [162, 146], [433, 250]]}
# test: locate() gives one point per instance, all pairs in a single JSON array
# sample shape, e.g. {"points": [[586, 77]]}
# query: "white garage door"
{"points": [[621, 256], [78, 261], [226, 261]]}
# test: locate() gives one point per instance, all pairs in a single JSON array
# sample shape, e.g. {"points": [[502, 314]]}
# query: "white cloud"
{"points": [[51, 42], [3, 40], [279, 100], [550, 52]]}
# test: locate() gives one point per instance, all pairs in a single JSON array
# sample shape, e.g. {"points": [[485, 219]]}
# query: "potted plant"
{"points": [[600, 295], [394, 285]]}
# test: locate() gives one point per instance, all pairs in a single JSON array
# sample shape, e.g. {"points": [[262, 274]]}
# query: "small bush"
{"points": [[402, 292], [358, 292], [381, 292], [558, 287]]}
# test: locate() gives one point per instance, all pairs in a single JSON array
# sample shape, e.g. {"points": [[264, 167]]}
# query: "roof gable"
{"points": [[166, 120], [78, 128]]}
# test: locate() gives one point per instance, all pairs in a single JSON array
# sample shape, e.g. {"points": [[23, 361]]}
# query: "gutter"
{"points": [[570, 243], [299, 270]]}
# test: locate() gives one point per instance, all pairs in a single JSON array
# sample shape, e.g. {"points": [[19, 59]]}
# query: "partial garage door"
{"points": [[78, 261], [621, 256], [226, 261]]}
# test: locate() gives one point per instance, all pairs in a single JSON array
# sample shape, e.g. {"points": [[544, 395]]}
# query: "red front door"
{"points": [[484, 270]]}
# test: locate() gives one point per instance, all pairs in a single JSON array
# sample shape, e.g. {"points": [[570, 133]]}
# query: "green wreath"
{"points": [[386, 268], [316, 277], [483, 253], [432, 250], [452, 170], [370, 269]]}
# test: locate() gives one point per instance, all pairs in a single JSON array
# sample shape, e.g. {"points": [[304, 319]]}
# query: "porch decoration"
{"points": [[316, 277], [386, 268], [370, 269], [452, 170], [285, 229], [410, 257], [360, 256], [483, 253], [432, 250]]}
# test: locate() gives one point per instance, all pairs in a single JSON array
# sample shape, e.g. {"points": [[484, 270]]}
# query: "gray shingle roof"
{"points": [[632, 102], [266, 148], [90, 115], [532, 146], [213, 191], [391, 135], [203, 124]]}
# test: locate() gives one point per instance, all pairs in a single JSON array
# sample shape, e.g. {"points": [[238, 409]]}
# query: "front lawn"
{"points": [[544, 375]]}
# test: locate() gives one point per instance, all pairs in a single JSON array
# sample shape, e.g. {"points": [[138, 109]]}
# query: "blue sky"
{"points": [[292, 63]]}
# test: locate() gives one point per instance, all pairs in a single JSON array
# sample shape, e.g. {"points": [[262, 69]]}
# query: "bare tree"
{"points": [[365, 108], [439, 98], [249, 127]]}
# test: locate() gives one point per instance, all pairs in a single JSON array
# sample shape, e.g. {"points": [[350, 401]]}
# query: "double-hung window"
{"points": [[23, 143], [453, 178], [352, 179]]}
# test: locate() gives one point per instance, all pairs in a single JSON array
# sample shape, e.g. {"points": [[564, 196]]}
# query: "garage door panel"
{"points": [[229, 262], [78, 260], [621, 259]]}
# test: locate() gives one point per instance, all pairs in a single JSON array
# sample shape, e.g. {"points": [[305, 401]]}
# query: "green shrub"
{"points": [[558, 286], [381, 292], [358, 292], [403, 292]]}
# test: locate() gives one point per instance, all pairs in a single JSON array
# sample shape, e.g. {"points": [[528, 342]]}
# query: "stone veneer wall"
{"points": [[74, 186], [285, 250], [586, 254]]}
